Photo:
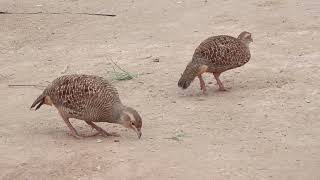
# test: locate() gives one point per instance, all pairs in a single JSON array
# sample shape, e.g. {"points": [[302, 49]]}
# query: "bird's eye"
{"points": [[132, 123]]}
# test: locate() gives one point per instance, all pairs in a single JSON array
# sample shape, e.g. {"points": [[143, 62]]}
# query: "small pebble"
{"points": [[99, 140], [156, 60]]}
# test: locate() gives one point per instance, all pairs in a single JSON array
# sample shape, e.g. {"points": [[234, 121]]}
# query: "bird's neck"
{"points": [[245, 42], [117, 110]]}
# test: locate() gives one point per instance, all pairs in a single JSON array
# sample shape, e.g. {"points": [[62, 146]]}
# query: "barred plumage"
{"points": [[89, 98], [216, 55]]}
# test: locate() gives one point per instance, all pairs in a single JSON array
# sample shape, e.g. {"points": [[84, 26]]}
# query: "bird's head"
{"points": [[245, 37], [131, 119]]}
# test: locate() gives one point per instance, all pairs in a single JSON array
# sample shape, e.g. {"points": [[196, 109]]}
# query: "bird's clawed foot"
{"points": [[102, 131], [106, 134], [222, 89], [79, 136], [76, 136], [91, 135], [204, 89]]}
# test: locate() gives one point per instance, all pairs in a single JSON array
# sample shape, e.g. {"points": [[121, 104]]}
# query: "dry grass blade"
{"points": [[121, 75]]}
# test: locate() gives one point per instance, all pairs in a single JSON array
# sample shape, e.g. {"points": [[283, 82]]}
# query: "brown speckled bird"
{"points": [[89, 98], [216, 55]]}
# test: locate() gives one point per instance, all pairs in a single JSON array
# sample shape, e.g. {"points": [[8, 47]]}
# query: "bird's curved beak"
{"points": [[138, 131], [139, 134]]}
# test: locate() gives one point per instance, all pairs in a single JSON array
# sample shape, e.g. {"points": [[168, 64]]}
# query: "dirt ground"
{"points": [[267, 126]]}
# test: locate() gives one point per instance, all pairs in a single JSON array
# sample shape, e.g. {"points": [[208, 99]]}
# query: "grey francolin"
{"points": [[216, 55], [89, 98]]}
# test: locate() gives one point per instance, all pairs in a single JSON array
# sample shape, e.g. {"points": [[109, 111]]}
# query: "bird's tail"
{"points": [[188, 75], [39, 102]]}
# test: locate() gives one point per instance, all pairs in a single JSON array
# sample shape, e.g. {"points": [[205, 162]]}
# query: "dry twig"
{"points": [[25, 85], [40, 12]]}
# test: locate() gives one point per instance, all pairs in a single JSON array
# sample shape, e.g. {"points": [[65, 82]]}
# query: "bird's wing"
{"points": [[220, 51], [74, 92]]}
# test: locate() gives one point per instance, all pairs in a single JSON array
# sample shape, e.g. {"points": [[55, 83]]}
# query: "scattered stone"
{"points": [[156, 60], [99, 140], [307, 101]]}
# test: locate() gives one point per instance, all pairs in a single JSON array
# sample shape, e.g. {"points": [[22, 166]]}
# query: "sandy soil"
{"points": [[266, 127]]}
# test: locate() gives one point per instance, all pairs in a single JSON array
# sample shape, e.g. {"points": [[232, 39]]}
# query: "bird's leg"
{"points": [[74, 133], [100, 130], [216, 76], [202, 84]]}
